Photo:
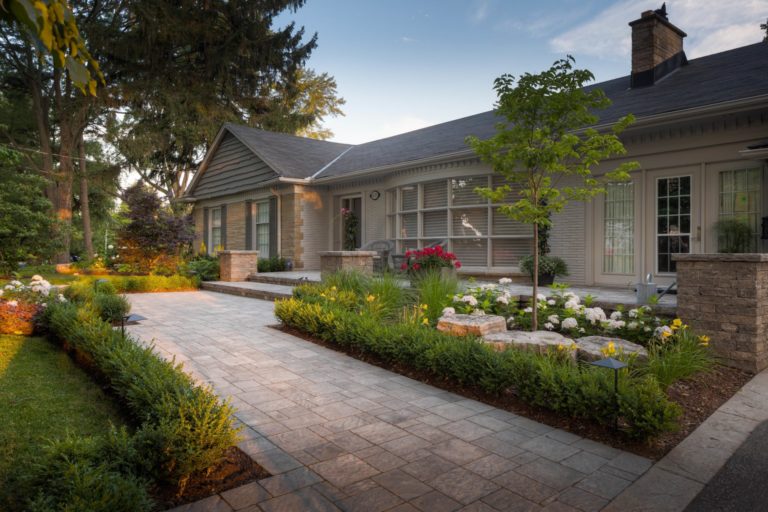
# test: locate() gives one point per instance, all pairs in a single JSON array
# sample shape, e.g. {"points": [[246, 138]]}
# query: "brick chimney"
{"points": [[657, 47]]}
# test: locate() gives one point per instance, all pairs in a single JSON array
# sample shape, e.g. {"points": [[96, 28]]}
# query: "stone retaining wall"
{"points": [[360, 261], [237, 265], [725, 296]]}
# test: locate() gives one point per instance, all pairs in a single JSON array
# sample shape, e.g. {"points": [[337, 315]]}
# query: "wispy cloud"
{"points": [[712, 26], [408, 40], [480, 10]]}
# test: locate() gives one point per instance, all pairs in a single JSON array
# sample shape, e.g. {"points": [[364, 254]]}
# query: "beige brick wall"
{"points": [[236, 226], [725, 296], [291, 222], [358, 261]]}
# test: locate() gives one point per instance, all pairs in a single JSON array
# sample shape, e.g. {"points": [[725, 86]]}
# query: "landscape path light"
{"points": [[126, 319], [615, 365]]}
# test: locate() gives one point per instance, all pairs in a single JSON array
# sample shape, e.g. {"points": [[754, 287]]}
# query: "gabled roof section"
{"points": [[288, 155]]}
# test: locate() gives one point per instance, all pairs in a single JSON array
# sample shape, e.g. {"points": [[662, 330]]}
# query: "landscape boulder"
{"points": [[590, 348], [479, 325], [538, 341]]}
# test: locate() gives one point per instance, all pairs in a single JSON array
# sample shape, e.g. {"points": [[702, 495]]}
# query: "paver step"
{"points": [[264, 291], [272, 279]]}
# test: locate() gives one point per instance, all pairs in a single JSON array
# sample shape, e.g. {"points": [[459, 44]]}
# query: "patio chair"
{"points": [[384, 248]]}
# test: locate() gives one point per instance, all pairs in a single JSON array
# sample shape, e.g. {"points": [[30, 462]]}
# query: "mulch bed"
{"points": [[236, 469], [696, 396]]}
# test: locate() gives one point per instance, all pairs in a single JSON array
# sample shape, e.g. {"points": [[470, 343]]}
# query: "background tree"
{"points": [[544, 148], [191, 67], [152, 237], [25, 214]]}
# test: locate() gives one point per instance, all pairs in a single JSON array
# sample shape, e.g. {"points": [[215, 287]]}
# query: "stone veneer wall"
{"points": [[236, 226], [725, 296], [199, 222], [291, 222], [237, 265], [360, 261]]}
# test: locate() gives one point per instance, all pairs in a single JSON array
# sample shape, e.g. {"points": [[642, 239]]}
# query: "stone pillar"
{"points": [[725, 296], [360, 261], [237, 265]]}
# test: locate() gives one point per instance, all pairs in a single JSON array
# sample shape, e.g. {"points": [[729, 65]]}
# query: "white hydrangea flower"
{"points": [[504, 299], [548, 326], [570, 296], [632, 313], [110, 246], [9, 287], [659, 332], [647, 329], [541, 297], [551, 302], [616, 324], [632, 325], [469, 299], [528, 310], [595, 315], [62, 298], [505, 280], [553, 319], [581, 330], [16, 283], [570, 323], [36, 277], [570, 304], [616, 315], [448, 311]]}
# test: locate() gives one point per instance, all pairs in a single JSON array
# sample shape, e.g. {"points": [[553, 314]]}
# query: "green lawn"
{"points": [[43, 396], [46, 271]]}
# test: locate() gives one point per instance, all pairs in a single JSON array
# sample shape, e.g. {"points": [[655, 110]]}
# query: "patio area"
{"points": [[339, 434]]}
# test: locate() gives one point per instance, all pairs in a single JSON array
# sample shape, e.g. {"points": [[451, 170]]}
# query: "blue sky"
{"points": [[402, 64]]}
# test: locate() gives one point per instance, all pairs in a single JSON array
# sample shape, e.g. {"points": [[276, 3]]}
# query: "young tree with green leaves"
{"points": [[545, 147]]}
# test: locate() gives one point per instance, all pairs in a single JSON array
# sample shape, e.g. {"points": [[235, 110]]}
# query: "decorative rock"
{"points": [[590, 347], [537, 341], [461, 325]]}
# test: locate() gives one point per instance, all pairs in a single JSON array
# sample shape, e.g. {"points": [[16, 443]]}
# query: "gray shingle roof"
{"points": [[288, 155], [731, 75]]}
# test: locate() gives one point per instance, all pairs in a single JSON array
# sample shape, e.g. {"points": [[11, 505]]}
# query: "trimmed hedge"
{"points": [[551, 382], [182, 427], [147, 284]]}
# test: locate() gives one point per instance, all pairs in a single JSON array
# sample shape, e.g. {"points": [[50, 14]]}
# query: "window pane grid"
{"points": [[673, 220], [741, 200]]}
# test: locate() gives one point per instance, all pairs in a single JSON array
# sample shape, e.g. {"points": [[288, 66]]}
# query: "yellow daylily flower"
{"points": [[370, 298], [425, 321], [704, 340]]}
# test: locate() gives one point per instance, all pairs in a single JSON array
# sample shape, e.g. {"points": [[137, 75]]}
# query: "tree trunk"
{"points": [[85, 210], [61, 187], [535, 301]]}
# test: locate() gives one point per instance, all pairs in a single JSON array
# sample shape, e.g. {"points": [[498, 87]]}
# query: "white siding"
{"points": [[568, 241]]}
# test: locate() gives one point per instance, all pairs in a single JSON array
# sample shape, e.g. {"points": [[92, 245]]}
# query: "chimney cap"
{"points": [[659, 15]]}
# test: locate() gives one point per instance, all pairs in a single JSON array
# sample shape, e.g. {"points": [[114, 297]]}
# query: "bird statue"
{"points": [[663, 11]]}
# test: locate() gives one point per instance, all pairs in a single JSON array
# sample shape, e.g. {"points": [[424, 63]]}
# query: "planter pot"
{"points": [[445, 273], [449, 273], [546, 279]]}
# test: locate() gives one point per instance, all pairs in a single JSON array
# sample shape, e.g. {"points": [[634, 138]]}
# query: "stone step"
{"points": [[277, 280], [264, 291]]}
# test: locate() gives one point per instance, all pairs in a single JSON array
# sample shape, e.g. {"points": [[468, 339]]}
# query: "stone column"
{"points": [[725, 296], [360, 261], [237, 265]]}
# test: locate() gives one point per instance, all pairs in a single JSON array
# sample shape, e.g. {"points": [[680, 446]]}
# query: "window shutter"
{"points": [[272, 228], [206, 220], [224, 226], [248, 225]]}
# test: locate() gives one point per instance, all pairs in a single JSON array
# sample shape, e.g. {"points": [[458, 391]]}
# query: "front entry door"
{"points": [[675, 223], [351, 223]]}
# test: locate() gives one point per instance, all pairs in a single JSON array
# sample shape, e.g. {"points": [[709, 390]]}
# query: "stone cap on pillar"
{"points": [[235, 251], [745, 257], [348, 253]]}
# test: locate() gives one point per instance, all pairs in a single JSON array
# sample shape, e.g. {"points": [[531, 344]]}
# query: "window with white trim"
{"points": [[261, 227], [741, 199], [451, 211], [215, 230]]}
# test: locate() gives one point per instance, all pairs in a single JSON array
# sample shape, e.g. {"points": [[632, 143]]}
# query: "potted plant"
{"points": [[549, 266], [418, 262], [734, 236]]}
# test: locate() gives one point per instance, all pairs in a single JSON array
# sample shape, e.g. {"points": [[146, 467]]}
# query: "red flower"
{"points": [[403, 266], [416, 266], [407, 254], [457, 265]]}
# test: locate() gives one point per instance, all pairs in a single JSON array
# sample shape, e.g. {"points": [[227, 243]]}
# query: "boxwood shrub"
{"points": [[181, 426], [550, 382]]}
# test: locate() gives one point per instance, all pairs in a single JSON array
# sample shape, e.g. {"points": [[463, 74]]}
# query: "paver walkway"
{"points": [[340, 434]]}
